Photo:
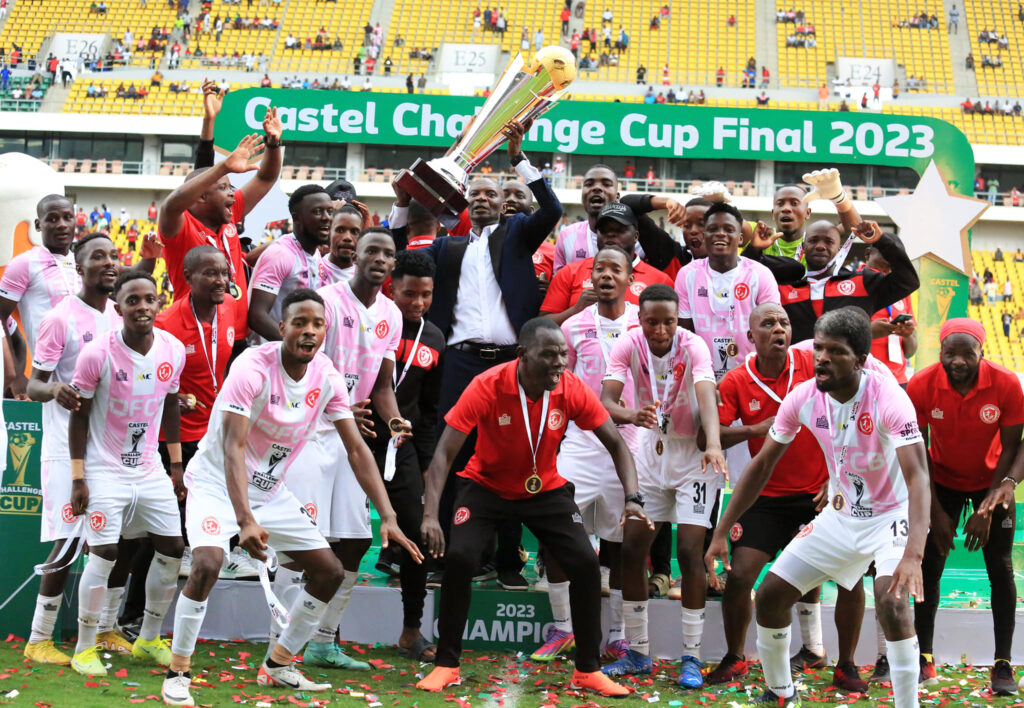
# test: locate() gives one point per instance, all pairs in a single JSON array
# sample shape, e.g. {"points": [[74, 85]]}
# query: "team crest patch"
{"points": [[538, 257], [735, 533], [556, 419], [742, 291], [678, 372], [211, 526], [381, 330], [312, 397], [755, 405], [865, 424], [806, 530], [461, 516], [164, 371], [424, 358], [637, 288], [989, 413], [504, 419], [311, 510], [846, 287], [67, 515], [230, 335], [97, 521]]}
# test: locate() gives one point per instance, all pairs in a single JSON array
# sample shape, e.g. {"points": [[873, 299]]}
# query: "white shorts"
{"points": [[321, 478], [841, 548], [674, 488], [58, 521], [210, 520], [598, 494], [131, 509]]}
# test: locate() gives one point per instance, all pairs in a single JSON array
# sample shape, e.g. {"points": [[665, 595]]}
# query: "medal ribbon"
{"points": [[526, 422], [774, 396]]}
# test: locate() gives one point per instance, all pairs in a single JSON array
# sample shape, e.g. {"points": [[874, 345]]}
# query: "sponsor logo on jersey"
{"points": [[504, 419], [937, 414], [755, 405]]}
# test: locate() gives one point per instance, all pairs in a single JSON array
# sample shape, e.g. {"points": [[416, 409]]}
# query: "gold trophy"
{"points": [[524, 91]]}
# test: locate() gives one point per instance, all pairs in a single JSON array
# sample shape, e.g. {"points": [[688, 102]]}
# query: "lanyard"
{"points": [[616, 332], [838, 461], [774, 396], [730, 319], [659, 398], [211, 362], [396, 379], [526, 422], [227, 250]]}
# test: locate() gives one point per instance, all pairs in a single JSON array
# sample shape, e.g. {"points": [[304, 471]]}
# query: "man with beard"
{"points": [[878, 509], [291, 262], [660, 249], [519, 200], [579, 241], [338, 266], [972, 411], [73, 322]]}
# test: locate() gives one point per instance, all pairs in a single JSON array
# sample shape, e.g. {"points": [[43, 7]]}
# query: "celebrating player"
{"points": [[528, 400], [674, 399], [346, 224], [127, 384], [877, 512], [578, 241], [972, 412], [268, 410]]}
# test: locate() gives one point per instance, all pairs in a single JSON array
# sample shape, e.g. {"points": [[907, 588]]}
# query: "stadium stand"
{"points": [[240, 36], [305, 18], [1008, 351], [1001, 17]]}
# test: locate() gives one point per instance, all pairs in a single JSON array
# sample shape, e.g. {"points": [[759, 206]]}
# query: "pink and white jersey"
{"points": [[283, 268], [37, 280], [331, 273], [870, 364], [720, 305], [359, 338], [575, 242], [687, 363], [69, 327], [859, 439], [127, 391], [283, 416], [591, 339]]}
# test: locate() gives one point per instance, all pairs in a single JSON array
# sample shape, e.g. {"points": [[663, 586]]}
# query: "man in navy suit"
{"points": [[485, 290]]}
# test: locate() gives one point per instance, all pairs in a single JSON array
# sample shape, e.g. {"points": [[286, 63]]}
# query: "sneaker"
{"points": [[847, 677], [46, 652], [88, 663], [156, 651], [881, 673], [390, 569], [770, 698], [440, 678], [330, 655], [556, 644], [512, 580], [130, 629], [487, 571], [289, 677], [434, 580], [542, 584], [613, 651], [675, 589], [238, 566], [1001, 678], [186, 563], [658, 585], [175, 689], [632, 663], [807, 659], [928, 675], [606, 578], [690, 675], [598, 683], [112, 641], [729, 670]]}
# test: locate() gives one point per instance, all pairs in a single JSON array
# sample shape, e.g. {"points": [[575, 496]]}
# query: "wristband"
{"points": [[77, 470], [174, 452], [1007, 478], [272, 145], [395, 426], [517, 159]]}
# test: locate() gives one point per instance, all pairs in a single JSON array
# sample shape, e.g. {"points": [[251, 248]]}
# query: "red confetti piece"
{"points": [[121, 673], [91, 684]]}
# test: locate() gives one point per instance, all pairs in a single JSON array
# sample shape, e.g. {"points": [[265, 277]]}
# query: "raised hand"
{"points": [[825, 184], [248, 147], [515, 132], [272, 126], [212, 100], [868, 231], [152, 246], [764, 236]]}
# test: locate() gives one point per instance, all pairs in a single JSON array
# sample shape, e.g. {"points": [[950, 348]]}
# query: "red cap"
{"points": [[963, 325]]}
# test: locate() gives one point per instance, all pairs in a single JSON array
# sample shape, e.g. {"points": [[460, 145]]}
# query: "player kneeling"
{"points": [[266, 412]]}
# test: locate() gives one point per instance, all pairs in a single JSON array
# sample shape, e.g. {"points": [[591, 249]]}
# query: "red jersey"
{"points": [[502, 461], [193, 234], [963, 434], [544, 260], [889, 350], [570, 282], [802, 468], [196, 377]]}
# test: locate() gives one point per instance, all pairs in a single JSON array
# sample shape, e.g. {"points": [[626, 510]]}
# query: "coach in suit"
{"points": [[485, 288]]}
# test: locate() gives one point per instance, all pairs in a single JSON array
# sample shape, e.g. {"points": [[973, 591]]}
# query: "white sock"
{"points": [[44, 618], [287, 585], [809, 615], [773, 648], [306, 614], [558, 594], [111, 604], [615, 628], [335, 609], [92, 589], [904, 667], [634, 616], [161, 584], [693, 631], [188, 620], [880, 638]]}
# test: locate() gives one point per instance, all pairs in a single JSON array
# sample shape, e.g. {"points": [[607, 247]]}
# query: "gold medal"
{"points": [[533, 483], [731, 350], [838, 502], [659, 447]]}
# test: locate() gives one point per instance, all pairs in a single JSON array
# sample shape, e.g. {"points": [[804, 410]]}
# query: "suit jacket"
{"points": [[511, 246]]}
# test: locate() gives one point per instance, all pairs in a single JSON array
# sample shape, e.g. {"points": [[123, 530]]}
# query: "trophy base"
{"points": [[434, 190]]}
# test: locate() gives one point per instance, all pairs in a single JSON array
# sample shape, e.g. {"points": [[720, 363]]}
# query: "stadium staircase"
{"points": [[964, 81], [767, 49], [53, 101]]}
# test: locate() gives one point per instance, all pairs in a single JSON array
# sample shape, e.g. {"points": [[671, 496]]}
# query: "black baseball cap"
{"points": [[617, 211], [341, 189]]}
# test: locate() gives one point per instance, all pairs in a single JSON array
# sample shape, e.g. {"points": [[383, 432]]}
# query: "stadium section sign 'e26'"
{"points": [[645, 131]]}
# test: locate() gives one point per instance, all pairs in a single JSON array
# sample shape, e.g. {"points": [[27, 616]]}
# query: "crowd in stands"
{"points": [[920, 21], [803, 35]]}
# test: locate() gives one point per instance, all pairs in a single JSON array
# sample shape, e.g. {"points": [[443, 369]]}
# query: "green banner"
{"points": [[21, 504], [507, 621], [630, 129]]}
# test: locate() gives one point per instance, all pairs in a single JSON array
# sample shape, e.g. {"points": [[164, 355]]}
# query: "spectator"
{"points": [[1007, 291], [565, 21], [606, 16], [993, 188], [629, 172], [765, 77], [975, 294], [969, 61], [641, 74], [1007, 321], [656, 22], [843, 106], [538, 39], [823, 98], [409, 85], [5, 78], [421, 83], [574, 44], [1015, 201], [731, 22], [720, 76], [665, 71], [954, 20], [701, 98], [895, 88], [864, 102], [156, 79], [1018, 257], [990, 291], [367, 86], [998, 255], [649, 97], [762, 100]]}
